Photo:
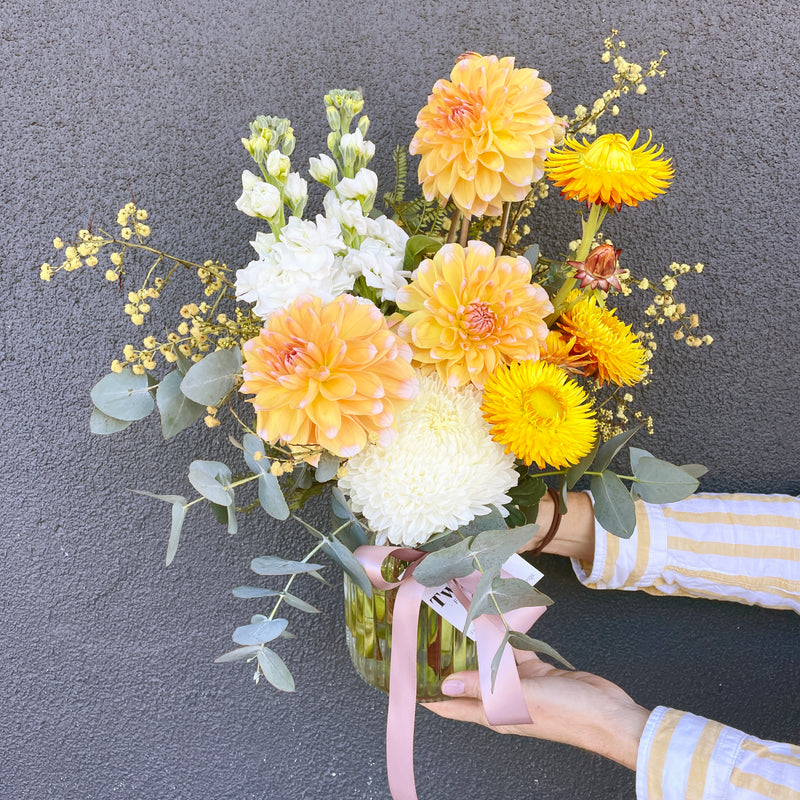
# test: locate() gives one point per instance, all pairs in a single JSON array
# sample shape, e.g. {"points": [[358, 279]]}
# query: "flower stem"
{"points": [[454, 220], [501, 236], [464, 232]]}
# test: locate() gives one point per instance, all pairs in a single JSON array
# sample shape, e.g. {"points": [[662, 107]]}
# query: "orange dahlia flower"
{"points": [[330, 375], [484, 134], [609, 171], [471, 311]]}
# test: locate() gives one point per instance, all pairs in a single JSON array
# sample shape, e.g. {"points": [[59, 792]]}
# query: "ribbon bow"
{"points": [[503, 706]]}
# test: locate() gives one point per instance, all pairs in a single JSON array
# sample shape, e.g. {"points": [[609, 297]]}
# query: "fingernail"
{"points": [[453, 688]]}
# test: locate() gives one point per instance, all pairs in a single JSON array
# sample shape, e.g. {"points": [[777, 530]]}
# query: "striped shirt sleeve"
{"points": [[685, 757], [739, 547]]}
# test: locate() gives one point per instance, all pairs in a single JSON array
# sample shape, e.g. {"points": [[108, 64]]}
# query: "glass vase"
{"points": [[441, 648]]}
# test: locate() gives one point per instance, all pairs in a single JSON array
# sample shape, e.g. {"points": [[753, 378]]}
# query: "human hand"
{"points": [[575, 708]]}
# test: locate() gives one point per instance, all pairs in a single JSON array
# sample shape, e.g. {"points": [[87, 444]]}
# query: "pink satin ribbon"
{"points": [[504, 706]]}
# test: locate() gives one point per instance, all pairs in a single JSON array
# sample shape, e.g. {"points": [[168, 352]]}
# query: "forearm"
{"points": [[575, 537]]}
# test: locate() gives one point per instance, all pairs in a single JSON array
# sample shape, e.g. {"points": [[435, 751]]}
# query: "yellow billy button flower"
{"points": [[484, 134], [610, 171], [471, 311], [540, 414]]}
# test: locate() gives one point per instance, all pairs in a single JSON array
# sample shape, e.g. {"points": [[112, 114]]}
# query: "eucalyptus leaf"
{"points": [[479, 598], [103, 424], [443, 565], [220, 513], [178, 515], [183, 363], [167, 498], [493, 521], [274, 670], [177, 411], [532, 254], [695, 470], [607, 451], [275, 565], [212, 479], [522, 641], [260, 632], [238, 654], [498, 657], [613, 505], [339, 504], [661, 482], [635, 454], [440, 541], [327, 467], [349, 563], [254, 591], [233, 525], [212, 378], [300, 605], [270, 494], [511, 593], [516, 517], [576, 471], [494, 548], [123, 395]]}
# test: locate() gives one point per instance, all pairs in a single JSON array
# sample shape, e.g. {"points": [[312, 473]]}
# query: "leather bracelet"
{"points": [[553, 530]]}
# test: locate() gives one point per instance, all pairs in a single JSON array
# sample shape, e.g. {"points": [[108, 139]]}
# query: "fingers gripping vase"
{"points": [[441, 648]]}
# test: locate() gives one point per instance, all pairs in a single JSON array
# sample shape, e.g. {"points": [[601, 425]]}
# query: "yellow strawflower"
{"points": [[484, 134], [615, 353], [610, 170], [471, 311], [540, 414]]}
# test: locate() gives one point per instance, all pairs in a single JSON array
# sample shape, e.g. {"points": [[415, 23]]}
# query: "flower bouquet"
{"points": [[428, 367]]}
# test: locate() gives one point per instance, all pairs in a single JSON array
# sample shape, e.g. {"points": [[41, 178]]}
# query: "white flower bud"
{"points": [[278, 165], [323, 170], [296, 193], [259, 199], [363, 187]]}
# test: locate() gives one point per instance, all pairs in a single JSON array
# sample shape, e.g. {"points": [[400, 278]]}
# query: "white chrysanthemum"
{"points": [[441, 471], [308, 259]]}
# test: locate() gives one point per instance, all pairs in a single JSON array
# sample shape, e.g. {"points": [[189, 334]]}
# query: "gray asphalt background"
{"points": [[109, 690]]}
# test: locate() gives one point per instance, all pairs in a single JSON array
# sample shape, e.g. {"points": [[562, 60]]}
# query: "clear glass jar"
{"points": [[441, 648]]}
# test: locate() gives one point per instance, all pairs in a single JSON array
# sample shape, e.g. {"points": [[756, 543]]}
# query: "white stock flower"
{"points": [[348, 213], [440, 472], [363, 187], [296, 193], [259, 199], [381, 269], [278, 165], [354, 142], [306, 260], [323, 170]]}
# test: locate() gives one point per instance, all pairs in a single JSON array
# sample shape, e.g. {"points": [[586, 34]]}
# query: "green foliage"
{"points": [[260, 632], [275, 565], [177, 411], [576, 472], [103, 424], [609, 449], [659, 481], [213, 480], [522, 641], [327, 468], [506, 594], [179, 506], [613, 504], [124, 396], [270, 495], [211, 379], [274, 670]]}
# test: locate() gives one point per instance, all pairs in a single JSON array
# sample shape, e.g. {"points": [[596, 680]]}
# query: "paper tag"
{"points": [[444, 602]]}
